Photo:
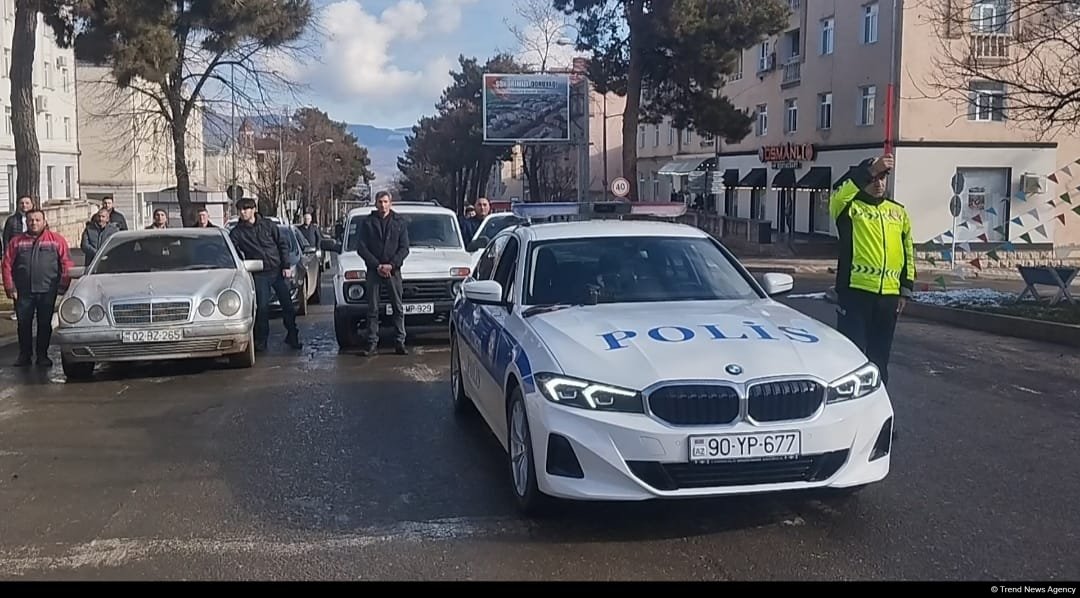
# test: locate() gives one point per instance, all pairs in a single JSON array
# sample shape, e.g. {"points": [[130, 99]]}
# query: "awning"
{"points": [[784, 179], [840, 181], [757, 177], [819, 177], [681, 167], [731, 177]]}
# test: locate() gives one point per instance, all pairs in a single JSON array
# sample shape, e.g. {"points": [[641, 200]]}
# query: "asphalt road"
{"points": [[315, 465]]}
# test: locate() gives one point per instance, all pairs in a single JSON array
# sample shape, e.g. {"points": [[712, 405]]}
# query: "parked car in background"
{"points": [[305, 264]]}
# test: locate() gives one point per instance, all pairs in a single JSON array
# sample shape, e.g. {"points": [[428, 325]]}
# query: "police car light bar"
{"points": [[601, 209]]}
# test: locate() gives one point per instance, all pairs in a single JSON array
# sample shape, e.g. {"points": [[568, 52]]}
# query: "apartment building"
{"points": [[54, 107], [128, 150], [818, 92]]}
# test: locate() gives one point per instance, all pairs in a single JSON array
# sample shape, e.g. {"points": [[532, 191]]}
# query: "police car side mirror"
{"points": [[777, 284], [483, 292], [478, 244]]}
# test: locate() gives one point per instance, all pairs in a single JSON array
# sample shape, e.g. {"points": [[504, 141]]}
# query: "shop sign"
{"points": [[787, 155]]}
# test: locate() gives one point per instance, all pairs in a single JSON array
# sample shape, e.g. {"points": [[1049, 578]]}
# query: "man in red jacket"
{"points": [[37, 268]]}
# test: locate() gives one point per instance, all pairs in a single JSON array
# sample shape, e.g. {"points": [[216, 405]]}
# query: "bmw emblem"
{"points": [[733, 369]]}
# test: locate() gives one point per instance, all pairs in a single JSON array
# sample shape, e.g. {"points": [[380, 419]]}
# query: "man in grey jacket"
{"points": [[97, 231]]}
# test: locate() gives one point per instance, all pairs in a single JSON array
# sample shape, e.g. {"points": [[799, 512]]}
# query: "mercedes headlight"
{"points": [[229, 303], [583, 394], [206, 308], [855, 385], [72, 310], [96, 313]]}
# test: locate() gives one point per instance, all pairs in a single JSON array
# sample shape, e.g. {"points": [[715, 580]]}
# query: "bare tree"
{"points": [[541, 30], [1016, 60]]}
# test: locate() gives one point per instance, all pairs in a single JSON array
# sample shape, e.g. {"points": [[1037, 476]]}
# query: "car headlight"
{"points": [[206, 308], [855, 385], [583, 394], [72, 310], [229, 303], [96, 313]]}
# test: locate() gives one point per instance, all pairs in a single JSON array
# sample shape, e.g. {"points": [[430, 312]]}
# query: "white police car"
{"points": [[628, 360]]}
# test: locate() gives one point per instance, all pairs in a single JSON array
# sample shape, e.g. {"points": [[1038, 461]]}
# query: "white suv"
{"points": [[432, 274]]}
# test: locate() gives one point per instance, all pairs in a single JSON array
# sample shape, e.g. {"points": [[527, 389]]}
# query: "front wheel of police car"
{"points": [[530, 500]]}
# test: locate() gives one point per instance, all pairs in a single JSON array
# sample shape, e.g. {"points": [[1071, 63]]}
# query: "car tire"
{"points": [[345, 331], [247, 358], [316, 296], [530, 500], [463, 405], [301, 299], [77, 370]]}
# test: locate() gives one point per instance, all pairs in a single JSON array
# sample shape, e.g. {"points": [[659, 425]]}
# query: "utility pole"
{"points": [[235, 140]]}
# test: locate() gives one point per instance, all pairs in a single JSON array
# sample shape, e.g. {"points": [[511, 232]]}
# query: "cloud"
{"points": [[360, 70]]}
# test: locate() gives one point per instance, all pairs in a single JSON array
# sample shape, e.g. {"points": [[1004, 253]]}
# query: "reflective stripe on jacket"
{"points": [[876, 251]]}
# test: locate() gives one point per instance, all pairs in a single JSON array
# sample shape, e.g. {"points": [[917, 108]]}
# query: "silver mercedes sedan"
{"points": [[159, 295]]}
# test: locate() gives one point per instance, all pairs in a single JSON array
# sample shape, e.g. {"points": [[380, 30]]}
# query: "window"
{"points": [[50, 172], [656, 135], [765, 56], [688, 136], [67, 128], [867, 100], [987, 102], [738, 68], [7, 62], [870, 24], [435, 231], [762, 120], [485, 267], [825, 111], [828, 36], [505, 271], [641, 136], [670, 134], [631, 270], [791, 115], [171, 253], [11, 176], [48, 126], [7, 124], [69, 178], [65, 79], [990, 16], [47, 75]]}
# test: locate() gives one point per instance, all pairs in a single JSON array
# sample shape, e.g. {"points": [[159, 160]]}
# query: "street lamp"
{"points": [[311, 183]]}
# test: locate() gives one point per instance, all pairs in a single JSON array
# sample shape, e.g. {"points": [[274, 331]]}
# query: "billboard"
{"points": [[526, 108]]}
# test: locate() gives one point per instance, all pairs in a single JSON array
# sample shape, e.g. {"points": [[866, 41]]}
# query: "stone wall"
{"points": [[67, 217], [1001, 259]]}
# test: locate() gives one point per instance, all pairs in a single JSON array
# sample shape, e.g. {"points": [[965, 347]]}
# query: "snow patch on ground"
{"points": [[988, 297]]}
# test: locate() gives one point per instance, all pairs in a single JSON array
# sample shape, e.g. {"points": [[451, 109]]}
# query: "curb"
{"points": [[1003, 325]]}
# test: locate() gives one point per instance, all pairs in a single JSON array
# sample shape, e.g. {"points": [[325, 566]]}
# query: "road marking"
{"points": [[1027, 390], [118, 552]]}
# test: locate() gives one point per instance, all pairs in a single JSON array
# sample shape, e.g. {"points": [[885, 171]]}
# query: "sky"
{"points": [[385, 62]]}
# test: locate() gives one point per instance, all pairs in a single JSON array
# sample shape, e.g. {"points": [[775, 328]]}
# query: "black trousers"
{"points": [[869, 320], [27, 307], [371, 289]]}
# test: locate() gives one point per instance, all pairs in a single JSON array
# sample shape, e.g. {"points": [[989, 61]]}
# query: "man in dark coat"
{"points": [[97, 231], [257, 238], [384, 245]]}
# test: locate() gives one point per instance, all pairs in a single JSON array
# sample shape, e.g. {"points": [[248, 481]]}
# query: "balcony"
{"points": [[991, 48], [792, 73]]}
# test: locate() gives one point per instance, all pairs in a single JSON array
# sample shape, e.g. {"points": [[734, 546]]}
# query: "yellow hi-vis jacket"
{"points": [[876, 251]]}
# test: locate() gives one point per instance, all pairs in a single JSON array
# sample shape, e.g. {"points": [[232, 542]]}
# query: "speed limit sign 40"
{"points": [[620, 187]]}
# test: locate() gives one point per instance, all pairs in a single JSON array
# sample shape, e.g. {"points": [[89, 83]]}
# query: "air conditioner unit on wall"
{"points": [[1031, 183]]}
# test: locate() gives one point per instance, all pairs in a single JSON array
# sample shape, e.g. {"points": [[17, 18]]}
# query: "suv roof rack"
{"points": [[572, 211]]}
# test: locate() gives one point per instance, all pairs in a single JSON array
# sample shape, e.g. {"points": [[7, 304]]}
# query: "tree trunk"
{"points": [[635, 15], [23, 112], [183, 177], [532, 164]]}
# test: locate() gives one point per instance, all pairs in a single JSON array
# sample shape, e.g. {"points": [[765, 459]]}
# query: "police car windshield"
{"points": [[425, 230], [631, 270], [165, 253]]}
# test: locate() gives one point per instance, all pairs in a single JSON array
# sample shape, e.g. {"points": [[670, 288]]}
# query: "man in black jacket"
{"points": [[257, 238], [384, 245]]}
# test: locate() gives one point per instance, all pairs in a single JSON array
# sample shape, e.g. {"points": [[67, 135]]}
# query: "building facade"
{"points": [[127, 149], [55, 110], [819, 96]]}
